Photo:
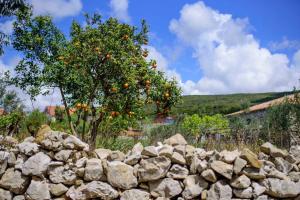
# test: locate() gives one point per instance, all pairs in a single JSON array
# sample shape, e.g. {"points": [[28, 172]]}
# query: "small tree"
{"points": [[206, 125], [101, 70]]}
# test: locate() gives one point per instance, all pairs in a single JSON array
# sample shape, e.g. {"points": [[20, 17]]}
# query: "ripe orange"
{"points": [[114, 89], [125, 37], [167, 94], [126, 85], [147, 82], [108, 56], [78, 105]]}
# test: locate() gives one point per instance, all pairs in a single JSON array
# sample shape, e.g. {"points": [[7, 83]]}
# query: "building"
{"points": [[259, 110], [50, 110], [2, 111]]}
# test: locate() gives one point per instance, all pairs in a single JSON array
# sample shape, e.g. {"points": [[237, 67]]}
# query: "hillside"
{"points": [[224, 104]]}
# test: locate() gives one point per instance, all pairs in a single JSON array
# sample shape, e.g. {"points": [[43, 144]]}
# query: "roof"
{"points": [[50, 110], [262, 106], [2, 111]]}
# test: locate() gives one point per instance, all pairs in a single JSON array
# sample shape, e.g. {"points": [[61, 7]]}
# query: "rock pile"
{"points": [[60, 166]]}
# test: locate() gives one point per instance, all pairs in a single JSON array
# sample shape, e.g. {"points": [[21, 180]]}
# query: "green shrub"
{"points": [[34, 121]]}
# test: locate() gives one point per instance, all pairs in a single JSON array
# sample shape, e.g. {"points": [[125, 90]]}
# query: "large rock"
{"points": [[273, 151], [239, 164], [178, 158], [194, 185], [219, 190], [251, 158], [36, 165], [258, 189], [295, 151], [102, 153], [153, 168], [58, 189], [38, 190], [93, 170], [209, 175], [3, 161], [176, 140], [76, 193], [63, 155], [229, 156], [282, 188], [240, 182], [51, 140], [61, 174], [243, 193], [222, 168], [28, 148], [166, 187], [5, 195], [283, 165], [150, 151], [14, 181], [135, 194], [98, 189], [254, 173], [178, 172], [121, 175], [72, 142]]}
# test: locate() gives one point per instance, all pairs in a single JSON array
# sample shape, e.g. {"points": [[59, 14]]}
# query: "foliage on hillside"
{"points": [[222, 104]]}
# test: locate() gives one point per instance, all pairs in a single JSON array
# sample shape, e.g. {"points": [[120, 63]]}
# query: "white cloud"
{"points": [[230, 58], [41, 101], [162, 63], [7, 27], [57, 8], [285, 43], [120, 9]]}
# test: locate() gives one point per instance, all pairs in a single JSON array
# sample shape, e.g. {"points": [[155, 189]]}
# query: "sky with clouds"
{"points": [[209, 46]]}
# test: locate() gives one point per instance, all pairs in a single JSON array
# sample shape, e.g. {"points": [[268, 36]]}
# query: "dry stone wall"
{"points": [[60, 166]]}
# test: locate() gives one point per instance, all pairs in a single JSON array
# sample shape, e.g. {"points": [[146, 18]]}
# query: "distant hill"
{"points": [[224, 104]]}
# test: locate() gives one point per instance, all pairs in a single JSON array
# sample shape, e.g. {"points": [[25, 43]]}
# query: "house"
{"points": [[2, 111], [50, 110], [259, 110]]}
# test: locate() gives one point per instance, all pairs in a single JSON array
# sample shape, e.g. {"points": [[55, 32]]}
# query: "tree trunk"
{"points": [[95, 124], [73, 131]]}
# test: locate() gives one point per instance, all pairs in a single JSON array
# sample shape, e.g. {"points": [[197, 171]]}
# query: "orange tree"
{"points": [[101, 69]]}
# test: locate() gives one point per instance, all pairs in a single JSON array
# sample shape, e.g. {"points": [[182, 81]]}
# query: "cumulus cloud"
{"points": [[285, 43], [120, 9], [7, 27], [162, 63], [41, 101], [230, 58], [56, 8]]}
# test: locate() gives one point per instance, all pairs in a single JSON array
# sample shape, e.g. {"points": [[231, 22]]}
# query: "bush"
{"points": [[34, 121]]}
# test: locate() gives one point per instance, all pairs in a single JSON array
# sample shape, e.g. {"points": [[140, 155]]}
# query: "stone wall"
{"points": [[60, 166]]}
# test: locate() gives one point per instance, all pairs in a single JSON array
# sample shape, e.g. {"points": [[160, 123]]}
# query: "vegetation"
{"points": [[101, 70]]}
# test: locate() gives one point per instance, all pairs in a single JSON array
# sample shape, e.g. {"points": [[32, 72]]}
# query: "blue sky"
{"points": [[210, 46]]}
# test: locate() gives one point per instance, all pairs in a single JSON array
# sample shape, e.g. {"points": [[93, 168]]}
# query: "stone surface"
{"points": [[93, 170], [153, 168], [222, 168], [282, 188], [98, 189], [251, 157], [63, 155], [273, 151], [135, 194], [238, 165], [102, 153], [219, 190], [5, 195], [229, 156], [14, 181], [150, 151], [62, 174], [178, 172], [38, 190], [193, 186], [178, 158], [243, 193], [177, 139], [166, 187], [36, 165], [72, 142], [209, 175], [121, 175], [28, 148], [241, 182], [58, 189]]}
